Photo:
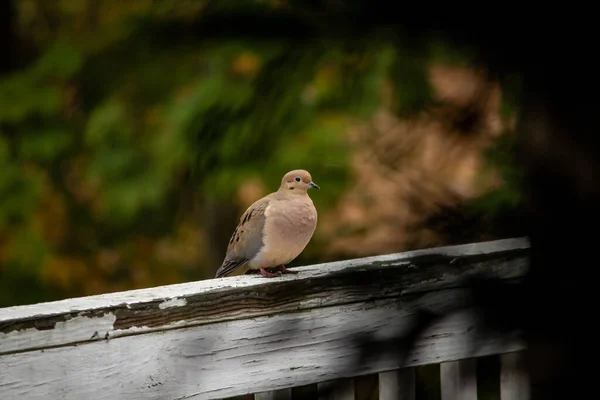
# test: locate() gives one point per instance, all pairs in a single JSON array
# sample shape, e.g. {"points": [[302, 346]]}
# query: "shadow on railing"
{"points": [[330, 325]]}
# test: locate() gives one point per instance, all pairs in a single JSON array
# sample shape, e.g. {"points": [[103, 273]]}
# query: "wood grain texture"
{"points": [[232, 336], [236, 357], [80, 320]]}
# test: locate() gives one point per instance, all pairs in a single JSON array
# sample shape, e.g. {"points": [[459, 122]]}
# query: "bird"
{"points": [[274, 230]]}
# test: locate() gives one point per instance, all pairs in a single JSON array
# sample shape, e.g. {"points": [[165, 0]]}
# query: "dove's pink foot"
{"points": [[284, 270], [268, 274]]}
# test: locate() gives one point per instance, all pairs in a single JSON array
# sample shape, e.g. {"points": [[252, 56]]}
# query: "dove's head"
{"points": [[297, 181]]}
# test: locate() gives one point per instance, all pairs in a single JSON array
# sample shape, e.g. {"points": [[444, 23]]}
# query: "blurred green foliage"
{"points": [[121, 122], [113, 118]]}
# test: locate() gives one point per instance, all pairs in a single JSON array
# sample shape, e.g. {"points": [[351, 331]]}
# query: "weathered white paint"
{"points": [[80, 326], [173, 297], [172, 303], [231, 358], [164, 293], [191, 345]]}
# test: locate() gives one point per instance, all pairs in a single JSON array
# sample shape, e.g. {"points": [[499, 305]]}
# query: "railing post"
{"points": [[343, 389], [282, 394], [514, 383], [397, 385], [459, 380]]}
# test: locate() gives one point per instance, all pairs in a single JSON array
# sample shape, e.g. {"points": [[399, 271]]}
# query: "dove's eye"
{"points": [[298, 179]]}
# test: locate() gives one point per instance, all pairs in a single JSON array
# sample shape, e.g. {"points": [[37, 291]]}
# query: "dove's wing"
{"points": [[247, 238]]}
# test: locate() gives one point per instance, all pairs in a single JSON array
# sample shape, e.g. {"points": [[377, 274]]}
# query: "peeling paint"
{"points": [[172, 303], [120, 314], [71, 330], [144, 328], [311, 303]]}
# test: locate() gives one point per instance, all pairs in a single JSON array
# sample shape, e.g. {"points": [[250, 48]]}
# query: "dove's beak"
{"points": [[312, 184]]}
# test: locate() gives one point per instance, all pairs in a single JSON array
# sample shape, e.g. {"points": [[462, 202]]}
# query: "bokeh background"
{"points": [[134, 133]]}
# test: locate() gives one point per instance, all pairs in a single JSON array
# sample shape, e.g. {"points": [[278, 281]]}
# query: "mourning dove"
{"points": [[274, 230]]}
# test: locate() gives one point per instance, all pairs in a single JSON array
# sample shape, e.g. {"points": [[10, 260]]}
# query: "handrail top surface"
{"points": [[172, 292]]}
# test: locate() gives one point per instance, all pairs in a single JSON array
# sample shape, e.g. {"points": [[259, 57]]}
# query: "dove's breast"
{"points": [[288, 229]]}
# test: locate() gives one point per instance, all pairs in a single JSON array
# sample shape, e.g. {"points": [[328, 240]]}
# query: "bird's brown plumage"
{"points": [[275, 229]]}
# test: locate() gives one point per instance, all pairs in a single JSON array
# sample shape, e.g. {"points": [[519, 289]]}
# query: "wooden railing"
{"points": [[220, 338]]}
